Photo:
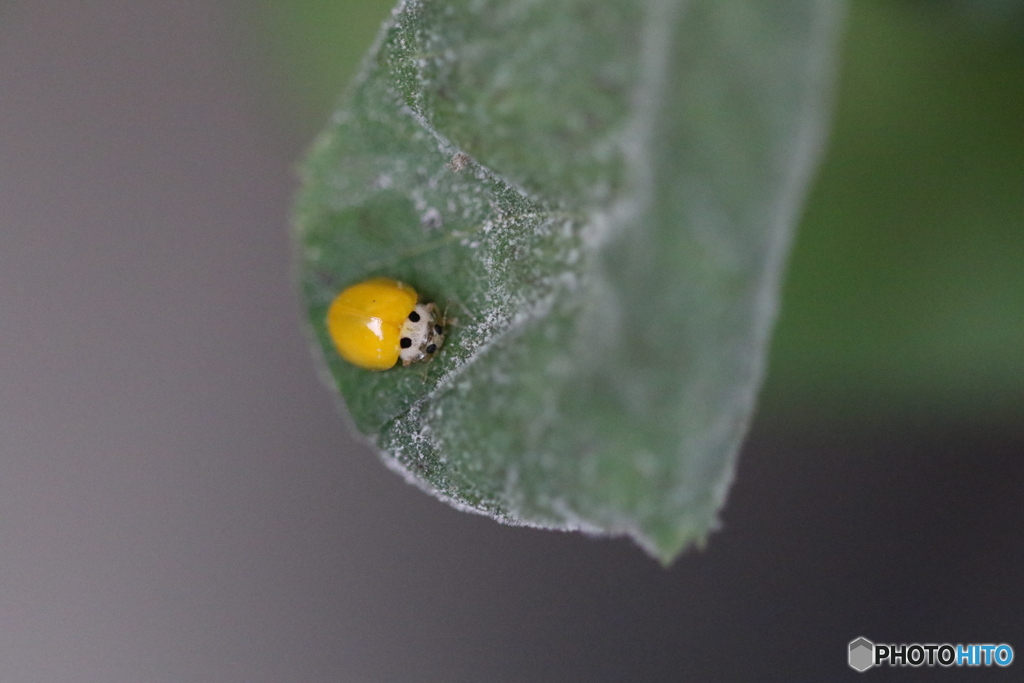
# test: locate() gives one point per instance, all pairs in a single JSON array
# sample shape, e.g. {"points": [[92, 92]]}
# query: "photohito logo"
{"points": [[863, 654]]}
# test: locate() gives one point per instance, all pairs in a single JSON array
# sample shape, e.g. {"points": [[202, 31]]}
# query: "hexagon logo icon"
{"points": [[862, 654]]}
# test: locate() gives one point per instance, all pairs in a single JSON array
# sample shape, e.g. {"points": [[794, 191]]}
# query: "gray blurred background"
{"points": [[180, 500]]}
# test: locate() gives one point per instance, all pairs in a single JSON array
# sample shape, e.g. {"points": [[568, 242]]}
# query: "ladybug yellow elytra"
{"points": [[375, 323]]}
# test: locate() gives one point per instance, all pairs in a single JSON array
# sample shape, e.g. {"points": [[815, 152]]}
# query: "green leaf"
{"points": [[601, 194]]}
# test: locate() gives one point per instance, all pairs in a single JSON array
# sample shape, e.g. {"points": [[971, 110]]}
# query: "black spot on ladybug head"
{"points": [[404, 342], [438, 329], [432, 348], [414, 316]]}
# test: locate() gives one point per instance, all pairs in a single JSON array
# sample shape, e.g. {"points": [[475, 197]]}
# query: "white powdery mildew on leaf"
{"points": [[600, 195]]}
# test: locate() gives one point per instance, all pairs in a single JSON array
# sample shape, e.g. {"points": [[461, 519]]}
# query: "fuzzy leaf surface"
{"points": [[602, 196]]}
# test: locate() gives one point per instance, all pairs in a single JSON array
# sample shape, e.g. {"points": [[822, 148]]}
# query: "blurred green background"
{"points": [[905, 295]]}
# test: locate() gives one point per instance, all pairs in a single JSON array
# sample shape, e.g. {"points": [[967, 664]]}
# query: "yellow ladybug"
{"points": [[374, 323]]}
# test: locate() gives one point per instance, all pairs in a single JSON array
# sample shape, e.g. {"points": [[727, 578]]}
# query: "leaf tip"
{"points": [[665, 542]]}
